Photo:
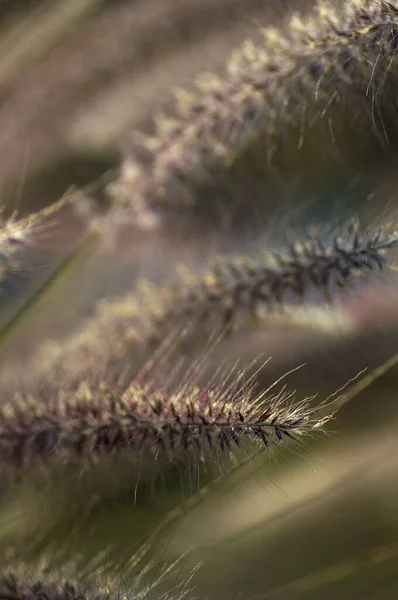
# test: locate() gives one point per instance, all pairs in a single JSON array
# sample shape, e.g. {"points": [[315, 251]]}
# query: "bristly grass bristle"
{"points": [[336, 70]]}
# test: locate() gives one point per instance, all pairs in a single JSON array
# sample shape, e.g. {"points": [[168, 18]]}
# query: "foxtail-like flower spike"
{"points": [[148, 426], [331, 77], [41, 586], [243, 286], [21, 583], [234, 293], [18, 235]]}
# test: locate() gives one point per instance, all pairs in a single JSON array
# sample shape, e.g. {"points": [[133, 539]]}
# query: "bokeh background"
{"points": [[75, 76]]}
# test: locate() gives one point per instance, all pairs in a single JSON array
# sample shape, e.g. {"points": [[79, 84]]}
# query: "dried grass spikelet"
{"points": [[324, 92]]}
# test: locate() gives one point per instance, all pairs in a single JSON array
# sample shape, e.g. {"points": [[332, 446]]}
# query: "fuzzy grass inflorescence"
{"points": [[41, 586], [20, 235], [93, 449], [21, 583], [122, 335], [244, 285], [148, 426], [331, 77]]}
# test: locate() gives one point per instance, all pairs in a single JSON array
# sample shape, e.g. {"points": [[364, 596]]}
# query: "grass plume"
{"points": [[147, 426], [244, 286], [72, 468], [331, 77], [18, 235], [43, 583], [15, 586], [235, 293]]}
